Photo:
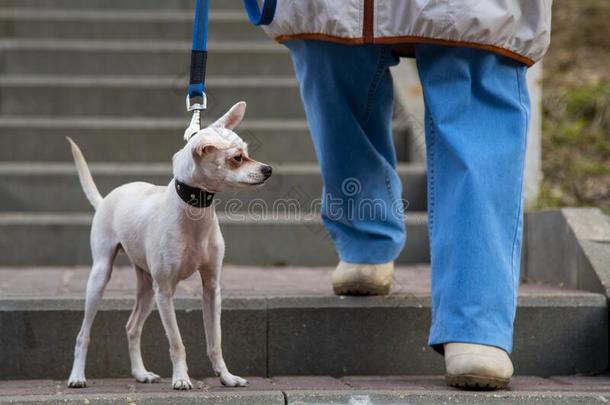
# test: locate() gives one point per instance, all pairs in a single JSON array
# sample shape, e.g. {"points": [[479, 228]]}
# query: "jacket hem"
{"points": [[408, 39]]}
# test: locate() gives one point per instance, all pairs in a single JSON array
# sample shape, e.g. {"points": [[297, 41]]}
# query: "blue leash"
{"points": [[259, 16], [196, 99], [199, 54]]}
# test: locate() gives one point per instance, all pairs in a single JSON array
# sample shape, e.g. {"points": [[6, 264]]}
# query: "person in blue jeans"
{"points": [[472, 62]]}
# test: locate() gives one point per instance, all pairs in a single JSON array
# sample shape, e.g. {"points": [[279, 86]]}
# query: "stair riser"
{"points": [[144, 101], [119, 4], [23, 144], [50, 338], [107, 62], [174, 29], [62, 192], [248, 243], [295, 337]]}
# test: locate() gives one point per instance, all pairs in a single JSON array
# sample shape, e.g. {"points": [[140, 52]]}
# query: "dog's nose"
{"points": [[266, 170]]}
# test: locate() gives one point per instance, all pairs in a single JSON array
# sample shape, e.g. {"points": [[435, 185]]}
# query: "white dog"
{"points": [[168, 233]]}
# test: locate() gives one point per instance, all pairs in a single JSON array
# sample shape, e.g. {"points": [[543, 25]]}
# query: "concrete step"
{"points": [[54, 187], [282, 321], [57, 239], [120, 139], [117, 4], [151, 25], [150, 96], [310, 390], [146, 58]]}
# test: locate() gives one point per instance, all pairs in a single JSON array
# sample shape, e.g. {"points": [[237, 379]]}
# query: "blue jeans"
{"points": [[477, 110]]}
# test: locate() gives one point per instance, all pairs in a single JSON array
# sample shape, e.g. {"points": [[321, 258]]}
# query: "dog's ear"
{"points": [[204, 149], [233, 117]]}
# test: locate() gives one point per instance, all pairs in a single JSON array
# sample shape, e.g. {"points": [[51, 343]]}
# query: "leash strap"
{"points": [[260, 16], [196, 99], [199, 55]]}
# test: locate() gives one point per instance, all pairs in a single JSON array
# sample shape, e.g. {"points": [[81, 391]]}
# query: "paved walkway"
{"points": [[313, 390], [236, 281]]}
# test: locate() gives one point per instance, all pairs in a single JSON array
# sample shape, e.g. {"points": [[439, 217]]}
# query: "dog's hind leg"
{"points": [[145, 300], [103, 257]]}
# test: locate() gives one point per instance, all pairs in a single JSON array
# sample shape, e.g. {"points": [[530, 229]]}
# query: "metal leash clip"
{"points": [[196, 108]]}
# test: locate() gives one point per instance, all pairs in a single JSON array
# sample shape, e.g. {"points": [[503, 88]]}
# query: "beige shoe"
{"points": [[477, 366], [362, 279]]}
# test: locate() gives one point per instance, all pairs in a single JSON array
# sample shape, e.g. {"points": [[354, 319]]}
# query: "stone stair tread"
{"points": [[114, 15], [84, 218], [110, 122], [142, 82], [49, 21], [150, 96], [243, 282], [117, 4], [287, 390], [295, 182], [128, 45], [129, 139], [11, 121], [160, 168]]}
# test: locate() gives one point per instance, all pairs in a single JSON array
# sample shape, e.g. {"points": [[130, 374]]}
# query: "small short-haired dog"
{"points": [[168, 233]]}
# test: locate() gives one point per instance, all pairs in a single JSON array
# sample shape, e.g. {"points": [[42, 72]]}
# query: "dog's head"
{"points": [[216, 158]]}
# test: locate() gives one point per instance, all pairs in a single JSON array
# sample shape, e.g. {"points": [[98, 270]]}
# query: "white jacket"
{"points": [[519, 29]]}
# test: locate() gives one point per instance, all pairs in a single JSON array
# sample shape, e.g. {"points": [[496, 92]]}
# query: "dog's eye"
{"points": [[238, 158]]}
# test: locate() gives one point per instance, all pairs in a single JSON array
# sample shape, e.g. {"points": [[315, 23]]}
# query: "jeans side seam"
{"points": [[431, 191], [522, 169], [374, 84], [431, 152], [372, 91]]}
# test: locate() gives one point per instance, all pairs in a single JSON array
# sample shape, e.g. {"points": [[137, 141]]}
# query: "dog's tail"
{"points": [[84, 175]]}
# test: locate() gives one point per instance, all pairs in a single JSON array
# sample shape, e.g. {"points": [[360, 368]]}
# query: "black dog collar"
{"points": [[193, 196]]}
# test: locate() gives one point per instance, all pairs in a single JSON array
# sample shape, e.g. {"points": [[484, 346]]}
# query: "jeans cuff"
{"points": [[502, 341], [369, 252]]}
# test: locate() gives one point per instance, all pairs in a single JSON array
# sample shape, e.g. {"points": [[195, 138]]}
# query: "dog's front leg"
{"points": [[211, 322], [164, 296]]}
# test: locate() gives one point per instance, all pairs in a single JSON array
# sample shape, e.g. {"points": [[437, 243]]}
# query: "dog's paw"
{"points": [[146, 377], [182, 384], [77, 383], [230, 380]]}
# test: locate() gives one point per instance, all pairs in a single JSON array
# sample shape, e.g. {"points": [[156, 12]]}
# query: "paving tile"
{"points": [[386, 382], [583, 383], [27, 387], [309, 383], [436, 397]]}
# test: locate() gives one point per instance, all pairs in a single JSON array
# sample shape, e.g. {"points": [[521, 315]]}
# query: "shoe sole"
{"points": [[360, 289], [476, 382]]}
